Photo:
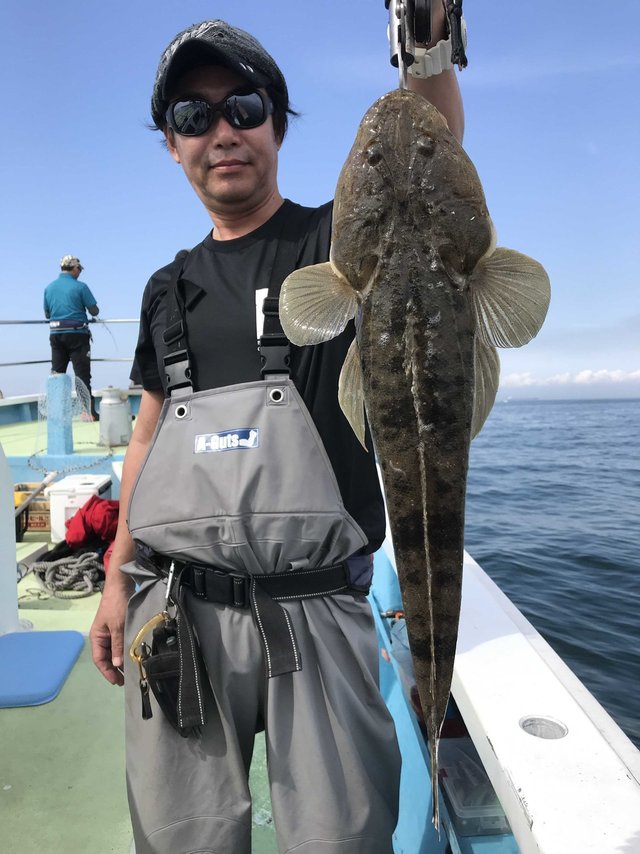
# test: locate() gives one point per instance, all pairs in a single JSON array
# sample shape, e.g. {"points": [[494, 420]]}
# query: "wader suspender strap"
{"points": [[273, 346], [176, 363]]}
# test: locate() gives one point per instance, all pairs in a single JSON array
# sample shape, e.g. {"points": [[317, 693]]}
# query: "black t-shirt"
{"points": [[220, 279]]}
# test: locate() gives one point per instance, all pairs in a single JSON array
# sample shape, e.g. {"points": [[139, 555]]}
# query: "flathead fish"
{"points": [[414, 261]]}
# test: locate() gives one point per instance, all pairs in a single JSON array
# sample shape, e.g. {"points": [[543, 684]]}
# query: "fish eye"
{"points": [[425, 146], [374, 155]]}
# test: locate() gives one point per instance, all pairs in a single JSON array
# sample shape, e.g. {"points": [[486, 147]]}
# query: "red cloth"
{"points": [[106, 557], [95, 520]]}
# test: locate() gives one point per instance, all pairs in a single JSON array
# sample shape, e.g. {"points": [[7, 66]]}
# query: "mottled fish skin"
{"points": [[410, 224], [414, 260]]}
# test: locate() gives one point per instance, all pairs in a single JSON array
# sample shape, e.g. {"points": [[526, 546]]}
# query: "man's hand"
{"points": [[107, 633]]}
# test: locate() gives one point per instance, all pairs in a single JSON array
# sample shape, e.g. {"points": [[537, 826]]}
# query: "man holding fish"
{"points": [[250, 503]]}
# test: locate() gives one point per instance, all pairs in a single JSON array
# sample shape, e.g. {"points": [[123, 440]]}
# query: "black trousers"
{"points": [[74, 347]]}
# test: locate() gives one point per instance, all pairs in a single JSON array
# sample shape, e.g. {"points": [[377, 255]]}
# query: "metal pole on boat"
{"points": [[9, 621]]}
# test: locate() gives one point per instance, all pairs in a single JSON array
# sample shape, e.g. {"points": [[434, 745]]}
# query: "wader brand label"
{"points": [[229, 440]]}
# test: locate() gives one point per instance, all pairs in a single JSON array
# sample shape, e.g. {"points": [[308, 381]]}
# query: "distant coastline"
{"points": [[522, 399]]}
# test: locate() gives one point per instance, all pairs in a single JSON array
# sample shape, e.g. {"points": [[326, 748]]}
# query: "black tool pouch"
{"points": [[162, 667], [167, 679]]}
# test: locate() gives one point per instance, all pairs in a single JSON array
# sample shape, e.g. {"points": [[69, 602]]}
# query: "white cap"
{"points": [[68, 262]]}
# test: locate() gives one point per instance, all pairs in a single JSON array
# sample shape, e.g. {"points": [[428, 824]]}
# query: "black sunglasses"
{"points": [[243, 110]]}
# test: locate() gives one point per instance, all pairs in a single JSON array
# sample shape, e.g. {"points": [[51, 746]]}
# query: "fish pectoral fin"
{"points": [[487, 377], [316, 304], [510, 294], [351, 391]]}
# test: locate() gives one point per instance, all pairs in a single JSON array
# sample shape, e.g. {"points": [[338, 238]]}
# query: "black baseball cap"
{"points": [[217, 43]]}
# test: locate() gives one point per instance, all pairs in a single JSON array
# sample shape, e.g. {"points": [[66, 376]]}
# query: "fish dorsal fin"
{"points": [[487, 377], [510, 294], [351, 391], [316, 304]]}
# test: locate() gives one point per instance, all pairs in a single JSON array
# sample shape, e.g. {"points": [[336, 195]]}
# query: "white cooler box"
{"points": [[70, 493]]}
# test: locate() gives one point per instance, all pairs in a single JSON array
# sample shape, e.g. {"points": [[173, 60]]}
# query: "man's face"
{"points": [[232, 171]]}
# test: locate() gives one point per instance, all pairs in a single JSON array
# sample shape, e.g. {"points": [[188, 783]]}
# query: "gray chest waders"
{"points": [[237, 496]]}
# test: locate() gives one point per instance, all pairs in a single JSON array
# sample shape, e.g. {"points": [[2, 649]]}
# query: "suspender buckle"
{"points": [[275, 354], [177, 370]]}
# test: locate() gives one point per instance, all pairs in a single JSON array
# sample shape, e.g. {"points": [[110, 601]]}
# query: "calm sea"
{"points": [[553, 516]]}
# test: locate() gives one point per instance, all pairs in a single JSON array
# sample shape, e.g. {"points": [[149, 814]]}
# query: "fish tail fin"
{"points": [[435, 792]]}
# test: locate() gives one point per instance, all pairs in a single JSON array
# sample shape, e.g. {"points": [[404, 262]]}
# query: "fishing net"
{"points": [[78, 407], [79, 403]]}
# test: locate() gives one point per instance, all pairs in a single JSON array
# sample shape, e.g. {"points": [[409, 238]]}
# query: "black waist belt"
{"points": [[68, 324], [260, 593], [228, 588]]}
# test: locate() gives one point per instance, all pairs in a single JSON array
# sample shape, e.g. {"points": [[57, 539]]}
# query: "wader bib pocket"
{"points": [[238, 478]]}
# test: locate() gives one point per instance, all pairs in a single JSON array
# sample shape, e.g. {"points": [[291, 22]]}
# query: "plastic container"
{"points": [[473, 804], [70, 493], [34, 518], [115, 418]]}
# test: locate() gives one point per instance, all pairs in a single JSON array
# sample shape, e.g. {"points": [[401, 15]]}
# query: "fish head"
{"points": [[408, 185]]}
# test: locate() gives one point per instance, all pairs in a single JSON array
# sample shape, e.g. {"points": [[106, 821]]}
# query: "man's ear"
{"points": [[171, 144]]}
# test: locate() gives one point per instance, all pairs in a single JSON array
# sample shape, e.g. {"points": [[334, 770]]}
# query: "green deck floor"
{"points": [[24, 438], [62, 771], [62, 780]]}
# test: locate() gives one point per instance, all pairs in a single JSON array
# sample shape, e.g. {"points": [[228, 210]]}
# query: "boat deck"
{"points": [[62, 776], [63, 786], [25, 438]]}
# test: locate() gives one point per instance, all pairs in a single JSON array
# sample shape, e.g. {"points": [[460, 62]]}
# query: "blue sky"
{"points": [[552, 125]]}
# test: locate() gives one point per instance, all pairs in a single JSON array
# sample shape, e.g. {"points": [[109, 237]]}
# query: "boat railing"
{"points": [[94, 321]]}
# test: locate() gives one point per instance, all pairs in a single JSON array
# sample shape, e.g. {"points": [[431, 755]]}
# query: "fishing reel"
{"points": [[410, 24]]}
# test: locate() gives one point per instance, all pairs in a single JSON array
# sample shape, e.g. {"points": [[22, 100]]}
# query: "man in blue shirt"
{"points": [[66, 302]]}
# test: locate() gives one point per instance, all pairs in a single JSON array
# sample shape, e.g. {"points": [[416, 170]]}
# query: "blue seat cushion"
{"points": [[35, 665]]}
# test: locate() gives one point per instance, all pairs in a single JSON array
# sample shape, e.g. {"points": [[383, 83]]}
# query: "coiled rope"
{"points": [[71, 577]]}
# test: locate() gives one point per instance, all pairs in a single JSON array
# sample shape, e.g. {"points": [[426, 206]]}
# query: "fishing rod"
{"points": [[91, 320], [48, 361]]}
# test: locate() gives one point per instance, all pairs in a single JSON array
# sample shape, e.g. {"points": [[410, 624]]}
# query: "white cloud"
{"points": [[517, 381], [586, 377]]}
